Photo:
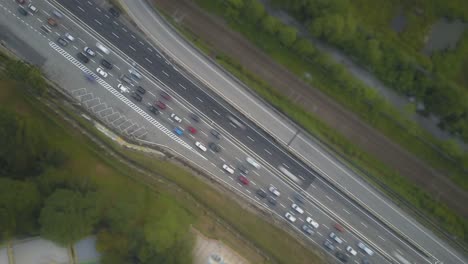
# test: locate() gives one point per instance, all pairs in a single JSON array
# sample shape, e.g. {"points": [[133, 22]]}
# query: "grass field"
{"points": [[215, 215]]}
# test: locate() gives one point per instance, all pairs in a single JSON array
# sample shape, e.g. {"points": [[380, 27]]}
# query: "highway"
{"points": [[241, 137]]}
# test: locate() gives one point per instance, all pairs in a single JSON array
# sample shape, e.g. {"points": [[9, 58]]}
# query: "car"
{"points": [[365, 261], [261, 193], [161, 105], [62, 42], [243, 180], [297, 208], [336, 238], [123, 88], [21, 2], [243, 169], [200, 146], [307, 229], [290, 217], [57, 14], [341, 256], [228, 169], [153, 109], [134, 73], [165, 95], [22, 11], [102, 48], [351, 250], [192, 130], [299, 198], [178, 131], [101, 72], [312, 222], [106, 64], [69, 37], [90, 77], [365, 249], [89, 51], [274, 191], [253, 162], [194, 117], [125, 79], [136, 96], [33, 8], [215, 134], [214, 147], [272, 201], [328, 245], [339, 227], [176, 118], [82, 57], [52, 22], [141, 89], [114, 12]]}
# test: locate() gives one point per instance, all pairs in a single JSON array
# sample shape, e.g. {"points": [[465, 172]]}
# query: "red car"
{"points": [[243, 180], [339, 227], [165, 96], [192, 130], [161, 105]]}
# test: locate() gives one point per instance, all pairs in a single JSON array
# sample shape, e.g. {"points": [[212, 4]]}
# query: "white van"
{"points": [[102, 48], [200, 146], [253, 162], [365, 248]]}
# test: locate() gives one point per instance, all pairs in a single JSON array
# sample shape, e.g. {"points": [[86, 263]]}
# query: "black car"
{"points": [[328, 245], [195, 118], [106, 64], [243, 169], [141, 90], [341, 256], [215, 134], [261, 193], [137, 97], [214, 147], [153, 110], [271, 200], [62, 42], [22, 11], [114, 12], [82, 57]]}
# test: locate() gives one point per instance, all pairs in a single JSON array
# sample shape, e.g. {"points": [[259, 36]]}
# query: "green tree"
{"points": [[29, 75], [68, 216], [270, 24], [254, 10], [304, 48], [19, 204], [287, 35]]}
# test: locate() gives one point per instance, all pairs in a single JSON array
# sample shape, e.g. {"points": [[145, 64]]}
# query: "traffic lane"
{"points": [[174, 78], [369, 226]]}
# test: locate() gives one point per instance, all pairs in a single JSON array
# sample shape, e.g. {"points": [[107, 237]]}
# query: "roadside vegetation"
{"points": [[301, 56], [56, 183]]}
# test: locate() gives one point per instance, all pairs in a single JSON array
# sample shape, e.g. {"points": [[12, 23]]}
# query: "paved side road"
{"points": [[217, 80]]}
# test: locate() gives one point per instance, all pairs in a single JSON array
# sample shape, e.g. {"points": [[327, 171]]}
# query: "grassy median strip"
{"points": [[385, 178]]}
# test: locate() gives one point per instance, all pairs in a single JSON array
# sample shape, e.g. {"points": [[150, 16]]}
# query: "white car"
{"points": [[336, 238], [102, 72], [176, 118], [253, 162], [290, 217], [351, 251], [89, 51], [297, 208], [122, 88], [200, 146], [228, 169], [274, 191], [312, 222]]}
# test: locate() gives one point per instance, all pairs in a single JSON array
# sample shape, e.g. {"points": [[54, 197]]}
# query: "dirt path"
{"points": [[214, 32]]}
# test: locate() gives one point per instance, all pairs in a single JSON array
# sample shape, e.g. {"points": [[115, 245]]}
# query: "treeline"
{"points": [[40, 196], [334, 22]]}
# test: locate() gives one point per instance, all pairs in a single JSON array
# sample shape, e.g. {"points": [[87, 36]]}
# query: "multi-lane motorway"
{"points": [[240, 138]]}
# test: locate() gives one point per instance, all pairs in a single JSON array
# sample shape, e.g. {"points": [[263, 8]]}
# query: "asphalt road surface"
{"points": [[242, 137]]}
